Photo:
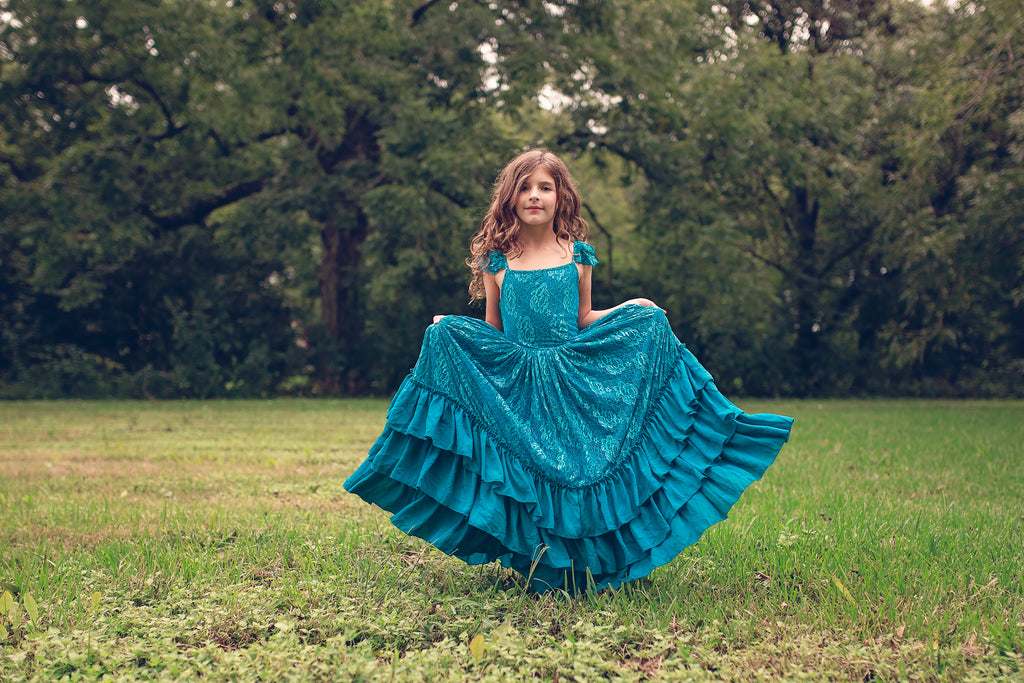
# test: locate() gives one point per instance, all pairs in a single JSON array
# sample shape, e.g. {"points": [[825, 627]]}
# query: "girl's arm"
{"points": [[492, 290], [587, 314]]}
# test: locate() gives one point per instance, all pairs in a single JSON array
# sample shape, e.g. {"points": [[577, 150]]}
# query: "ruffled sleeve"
{"points": [[496, 261], [583, 254]]}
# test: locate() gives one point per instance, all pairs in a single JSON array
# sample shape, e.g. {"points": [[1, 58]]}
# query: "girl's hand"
{"points": [[643, 302], [437, 319]]}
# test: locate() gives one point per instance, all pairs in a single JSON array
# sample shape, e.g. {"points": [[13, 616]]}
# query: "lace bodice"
{"points": [[541, 307]]}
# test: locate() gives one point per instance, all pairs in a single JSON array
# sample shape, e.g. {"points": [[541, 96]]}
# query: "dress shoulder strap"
{"points": [[495, 261], [583, 254]]}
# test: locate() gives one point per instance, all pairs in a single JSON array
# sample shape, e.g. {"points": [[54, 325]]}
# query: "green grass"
{"points": [[177, 540]]}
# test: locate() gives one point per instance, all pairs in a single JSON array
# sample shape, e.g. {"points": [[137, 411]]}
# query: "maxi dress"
{"points": [[580, 458]]}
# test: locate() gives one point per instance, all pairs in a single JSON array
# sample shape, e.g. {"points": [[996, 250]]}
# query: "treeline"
{"points": [[249, 198]]}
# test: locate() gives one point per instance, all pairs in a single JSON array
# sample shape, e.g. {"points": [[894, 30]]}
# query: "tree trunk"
{"points": [[805, 221], [342, 237], [343, 230]]}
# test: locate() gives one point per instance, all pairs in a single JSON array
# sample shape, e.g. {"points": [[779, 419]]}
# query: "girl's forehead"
{"points": [[540, 175]]}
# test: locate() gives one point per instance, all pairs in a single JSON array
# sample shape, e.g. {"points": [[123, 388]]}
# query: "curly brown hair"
{"points": [[499, 230]]}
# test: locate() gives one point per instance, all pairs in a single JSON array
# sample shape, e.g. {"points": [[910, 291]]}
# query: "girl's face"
{"points": [[537, 199]]}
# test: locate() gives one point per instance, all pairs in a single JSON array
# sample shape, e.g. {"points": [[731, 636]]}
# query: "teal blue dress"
{"points": [[580, 458]]}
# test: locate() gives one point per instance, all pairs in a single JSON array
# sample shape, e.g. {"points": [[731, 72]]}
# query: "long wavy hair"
{"points": [[499, 230]]}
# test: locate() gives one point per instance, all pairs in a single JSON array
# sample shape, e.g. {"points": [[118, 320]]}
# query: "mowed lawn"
{"points": [[173, 540]]}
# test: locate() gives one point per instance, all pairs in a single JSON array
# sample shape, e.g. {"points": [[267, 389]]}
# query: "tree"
{"points": [[959, 322], [783, 145], [745, 151], [136, 131]]}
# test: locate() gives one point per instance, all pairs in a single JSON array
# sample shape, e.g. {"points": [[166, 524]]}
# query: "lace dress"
{"points": [[580, 458]]}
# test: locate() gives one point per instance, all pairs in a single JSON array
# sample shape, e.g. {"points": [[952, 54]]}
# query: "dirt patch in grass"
{"points": [[31, 466], [36, 535], [179, 478]]}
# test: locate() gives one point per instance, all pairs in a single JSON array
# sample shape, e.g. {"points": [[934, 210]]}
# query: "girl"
{"points": [[580, 447]]}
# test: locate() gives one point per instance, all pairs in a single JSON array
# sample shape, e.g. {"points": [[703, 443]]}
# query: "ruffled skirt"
{"points": [[457, 467]]}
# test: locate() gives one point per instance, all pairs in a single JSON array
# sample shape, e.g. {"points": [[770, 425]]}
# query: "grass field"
{"points": [[177, 540]]}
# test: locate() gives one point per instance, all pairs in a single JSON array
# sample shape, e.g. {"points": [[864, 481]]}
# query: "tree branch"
{"points": [[88, 76], [763, 259], [418, 13], [226, 148], [172, 129], [857, 244], [637, 157], [202, 208], [778, 204], [607, 236], [16, 170], [461, 201]]}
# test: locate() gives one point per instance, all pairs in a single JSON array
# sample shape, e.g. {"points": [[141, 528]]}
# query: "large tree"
{"points": [[147, 144], [959, 327], [812, 170]]}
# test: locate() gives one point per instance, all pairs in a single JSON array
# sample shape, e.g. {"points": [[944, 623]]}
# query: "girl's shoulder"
{"points": [[583, 254]]}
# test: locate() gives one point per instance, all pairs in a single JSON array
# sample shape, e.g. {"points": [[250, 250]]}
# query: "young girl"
{"points": [[580, 447]]}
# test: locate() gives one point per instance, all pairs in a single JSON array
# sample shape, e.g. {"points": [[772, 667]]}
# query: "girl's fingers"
{"points": [[646, 302]]}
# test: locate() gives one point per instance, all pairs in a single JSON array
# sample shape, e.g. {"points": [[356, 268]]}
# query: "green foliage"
{"points": [[170, 540], [812, 218], [13, 625], [962, 267], [238, 199]]}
